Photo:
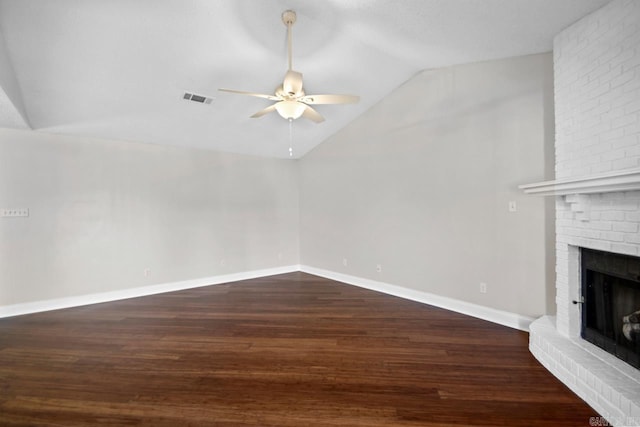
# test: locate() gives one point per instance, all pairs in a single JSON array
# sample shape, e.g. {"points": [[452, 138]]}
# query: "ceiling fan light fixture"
{"points": [[290, 109], [291, 101]]}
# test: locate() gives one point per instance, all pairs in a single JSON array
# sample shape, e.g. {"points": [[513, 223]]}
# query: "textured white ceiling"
{"points": [[118, 69]]}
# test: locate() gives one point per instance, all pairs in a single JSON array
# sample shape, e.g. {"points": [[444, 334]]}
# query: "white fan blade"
{"points": [[267, 110], [313, 115], [329, 99], [292, 84], [257, 95]]}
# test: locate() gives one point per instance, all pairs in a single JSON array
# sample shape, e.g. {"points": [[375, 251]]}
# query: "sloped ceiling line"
{"points": [[12, 111], [118, 69]]}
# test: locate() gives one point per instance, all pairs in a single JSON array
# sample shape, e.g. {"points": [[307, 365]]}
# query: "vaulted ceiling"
{"points": [[118, 69]]}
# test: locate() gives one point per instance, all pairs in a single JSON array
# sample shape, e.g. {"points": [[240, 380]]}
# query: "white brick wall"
{"points": [[610, 223], [597, 107], [597, 92]]}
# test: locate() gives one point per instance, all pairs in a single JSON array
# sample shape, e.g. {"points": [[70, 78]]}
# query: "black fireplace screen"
{"points": [[611, 303]]}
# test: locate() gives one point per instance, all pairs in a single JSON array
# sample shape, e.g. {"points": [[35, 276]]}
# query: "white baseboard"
{"points": [[501, 317], [58, 303], [505, 318]]}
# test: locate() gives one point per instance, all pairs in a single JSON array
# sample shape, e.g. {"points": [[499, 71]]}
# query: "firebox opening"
{"points": [[611, 303]]}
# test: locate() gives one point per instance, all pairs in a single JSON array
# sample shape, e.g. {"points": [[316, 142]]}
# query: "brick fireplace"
{"points": [[597, 190], [608, 384]]}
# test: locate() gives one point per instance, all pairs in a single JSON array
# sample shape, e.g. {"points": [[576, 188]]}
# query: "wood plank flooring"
{"points": [[287, 350]]}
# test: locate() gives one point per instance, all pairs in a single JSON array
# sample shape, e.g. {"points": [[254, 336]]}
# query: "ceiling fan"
{"points": [[291, 100]]}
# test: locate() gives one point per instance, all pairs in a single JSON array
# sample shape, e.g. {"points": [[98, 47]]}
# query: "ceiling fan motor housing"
{"points": [[292, 84]]}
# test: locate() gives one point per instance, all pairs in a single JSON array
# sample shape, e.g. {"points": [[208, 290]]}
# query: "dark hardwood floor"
{"points": [[288, 350]]}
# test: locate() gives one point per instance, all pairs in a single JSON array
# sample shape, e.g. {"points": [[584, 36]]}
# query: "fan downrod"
{"points": [[288, 17]]}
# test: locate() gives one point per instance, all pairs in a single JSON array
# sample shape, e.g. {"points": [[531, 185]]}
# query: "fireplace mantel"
{"points": [[625, 180]]}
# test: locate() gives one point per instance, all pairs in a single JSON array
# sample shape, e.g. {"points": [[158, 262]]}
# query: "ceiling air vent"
{"points": [[197, 98]]}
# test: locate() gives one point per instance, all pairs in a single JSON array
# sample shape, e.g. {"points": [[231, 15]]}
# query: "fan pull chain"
{"points": [[290, 137]]}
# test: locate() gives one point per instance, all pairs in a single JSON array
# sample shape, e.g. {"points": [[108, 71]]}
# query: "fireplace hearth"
{"points": [[611, 303]]}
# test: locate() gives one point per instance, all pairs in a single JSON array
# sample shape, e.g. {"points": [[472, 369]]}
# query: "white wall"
{"points": [[101, 212], [421, 183]]}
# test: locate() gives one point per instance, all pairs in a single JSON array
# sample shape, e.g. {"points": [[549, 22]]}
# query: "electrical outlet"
{"points": [[483, 288], [344, 262], [14, 212], [379, 268]]}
